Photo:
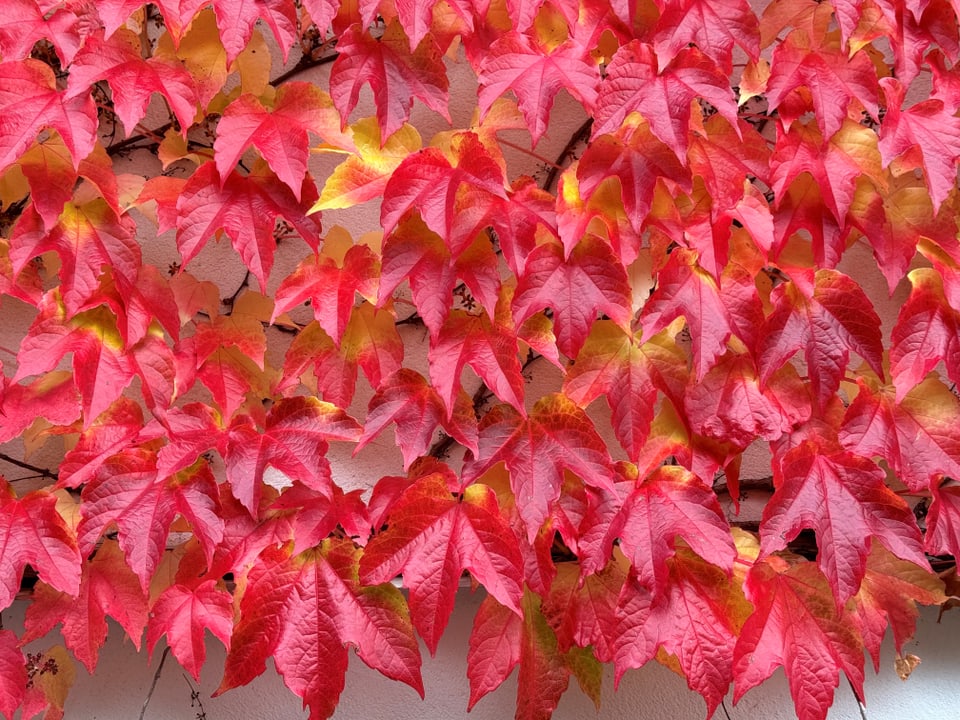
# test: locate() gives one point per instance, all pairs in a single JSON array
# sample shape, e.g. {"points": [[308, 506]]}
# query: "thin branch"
{"points": [[856, 696], [305, 63], [40, 472], [156, 679]]}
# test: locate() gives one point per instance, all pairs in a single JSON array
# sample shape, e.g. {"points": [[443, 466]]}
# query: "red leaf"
{"points": [[536, 450], [927, 331], [412, 252], [670, 503], [827, 315], [634, 83], [128, 491], [832, 78], [930, 129], [589, 281], [86, 237], [33, 532], [407, 400], [132, 79], [490, 348], [396, 76], [293, 442], [795, 602], [696, 621], [431, 537], [435, 184], [318, 609], [628, 373], [889, 594], [278, 132], [535, 76], [330, 287], [30, 102], [13, 673], [246, 207], [107, 587], [714, 26], [843, 498], [183, 614], [919, 437]]}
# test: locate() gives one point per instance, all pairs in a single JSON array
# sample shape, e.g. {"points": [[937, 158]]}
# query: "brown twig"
{"points": [[579, 136], [41, 472], [156, 679]]}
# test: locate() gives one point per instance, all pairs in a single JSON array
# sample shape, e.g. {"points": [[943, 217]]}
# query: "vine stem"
{"points": [[41, 472], [156, 679]]}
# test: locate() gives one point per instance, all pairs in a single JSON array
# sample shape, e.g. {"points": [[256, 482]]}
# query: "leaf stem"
{"points": [[579, 135]]}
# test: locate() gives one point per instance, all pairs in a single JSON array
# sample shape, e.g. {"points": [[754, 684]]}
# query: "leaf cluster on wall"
{"points": [[675, 279]]}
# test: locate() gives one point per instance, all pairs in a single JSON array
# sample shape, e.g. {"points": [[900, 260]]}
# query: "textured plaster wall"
{"points": [[123, 679]]}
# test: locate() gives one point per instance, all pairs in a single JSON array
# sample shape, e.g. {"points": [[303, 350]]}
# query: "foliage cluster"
{"points": [[678, 268]]}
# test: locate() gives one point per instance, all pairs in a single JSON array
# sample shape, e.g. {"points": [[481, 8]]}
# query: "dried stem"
{"points": [[40, 472], [579, 136], [156, 679]]}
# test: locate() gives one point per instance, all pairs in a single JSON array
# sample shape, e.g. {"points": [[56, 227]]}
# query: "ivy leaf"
{"points": [[927, 331], [589, 281], [414, 253], [33, 532], [556, 436], [930, 129], [794, 601], [278, 132], [832, 78], [889, 594], [535, 76], [696, 621], [132, 79], [86, 237], [364, 174], [628, 373], [431, 537], [320, 608], [918, 437], [490, 348], [183, 613], [714, 26], [246, 208], [670, 503], [24, 23], [127, 491], [843, 498], [293, 441], [501, 640], [634, 83], [30, 102], [13, 673], [430, 182], [396, 76], [416, 409], [827, 315], [107, 586], [330, 284]]}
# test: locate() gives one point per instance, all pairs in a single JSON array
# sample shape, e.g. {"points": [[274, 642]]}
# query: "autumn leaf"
{"points": [[556, 436], [842, 497], [794, 601], [634, 83], [246, 208], [30, 102], [107, 587], [514, 63], [13, 673], [183, 614], [33, 532], [432, 536], [395, 74]]}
